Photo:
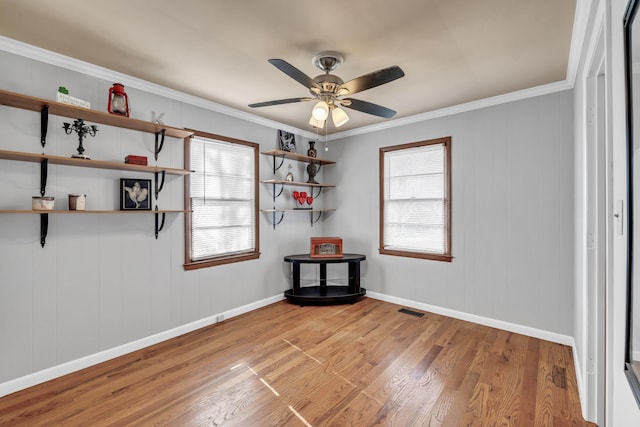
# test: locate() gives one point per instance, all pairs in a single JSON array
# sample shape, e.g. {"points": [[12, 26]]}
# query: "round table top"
{"points": [[306, 258]]}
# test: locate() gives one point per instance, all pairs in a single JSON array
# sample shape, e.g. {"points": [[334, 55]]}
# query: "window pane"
{"points": [[222, 199], [415, 209]]}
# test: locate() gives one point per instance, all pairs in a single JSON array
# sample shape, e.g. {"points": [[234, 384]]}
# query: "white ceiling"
{"points": [[452, 51]]}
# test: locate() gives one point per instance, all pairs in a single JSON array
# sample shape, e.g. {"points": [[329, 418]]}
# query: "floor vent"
{"points": [[411, 312]]}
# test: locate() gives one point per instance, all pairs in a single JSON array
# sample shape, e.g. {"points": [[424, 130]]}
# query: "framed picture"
{"points": [[135, 194], [287, 141], [326, 247]]}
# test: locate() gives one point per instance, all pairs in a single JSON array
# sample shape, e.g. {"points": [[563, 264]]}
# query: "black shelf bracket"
{"points": [[159, 187], [277, 221], [275, 168], [313, 221], [159, 147], [159, 224], [44, 228], [44, 123], [275, 196], [316, 195], [44, 167]]}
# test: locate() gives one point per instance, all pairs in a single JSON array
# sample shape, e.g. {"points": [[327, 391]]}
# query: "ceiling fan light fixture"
{"points": [[320, 111], [339, 117], [316, 123]]}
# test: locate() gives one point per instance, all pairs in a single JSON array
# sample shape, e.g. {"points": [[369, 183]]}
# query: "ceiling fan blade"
{"points": [[279, 101], [370, 80], [368, 107], [294, 73]]}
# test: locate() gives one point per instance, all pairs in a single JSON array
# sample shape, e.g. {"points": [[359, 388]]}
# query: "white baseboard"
{"points": [[582, 391], [481, 320], [84, 362], [499, 324]]}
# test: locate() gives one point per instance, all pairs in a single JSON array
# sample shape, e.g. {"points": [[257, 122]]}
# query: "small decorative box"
{"points": [[326, 247], [136, 160]]}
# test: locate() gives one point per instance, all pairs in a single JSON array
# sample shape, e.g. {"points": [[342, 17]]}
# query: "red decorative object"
{"points": [[118, 100], [301, 197], [136, 160]]}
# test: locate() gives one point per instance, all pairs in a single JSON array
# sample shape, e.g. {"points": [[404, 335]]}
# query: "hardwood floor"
{"points": [[365, 364]]}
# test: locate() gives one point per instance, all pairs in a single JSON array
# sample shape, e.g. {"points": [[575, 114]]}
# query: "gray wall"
{"points": [[512, 188], [103, 280]]}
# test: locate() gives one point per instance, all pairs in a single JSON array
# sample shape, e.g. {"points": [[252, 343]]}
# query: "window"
{"points": [[223, 196], [415, 200]]}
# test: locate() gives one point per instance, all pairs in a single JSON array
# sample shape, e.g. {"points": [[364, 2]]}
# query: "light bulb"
{"points": [[339, 117], [316, 123], [320, 111]]}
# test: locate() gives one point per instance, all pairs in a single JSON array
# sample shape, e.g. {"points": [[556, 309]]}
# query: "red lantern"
{"points": [[118, 100]]}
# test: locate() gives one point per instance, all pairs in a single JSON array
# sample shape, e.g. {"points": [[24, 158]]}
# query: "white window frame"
{"points": [[445, 253], [224, 258]]}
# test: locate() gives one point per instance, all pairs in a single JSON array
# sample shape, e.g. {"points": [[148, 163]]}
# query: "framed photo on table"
{"points": [[135, 194]]}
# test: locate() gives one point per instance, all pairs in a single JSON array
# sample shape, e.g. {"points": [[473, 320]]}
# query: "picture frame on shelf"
{"points": [[326, 247], [135, 194], [286, 141]]}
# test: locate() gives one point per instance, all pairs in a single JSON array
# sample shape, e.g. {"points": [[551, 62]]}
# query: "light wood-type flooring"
{"points": [[365, 364]]}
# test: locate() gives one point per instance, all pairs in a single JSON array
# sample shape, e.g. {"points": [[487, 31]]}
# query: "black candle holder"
{"points": [[82, 130]]}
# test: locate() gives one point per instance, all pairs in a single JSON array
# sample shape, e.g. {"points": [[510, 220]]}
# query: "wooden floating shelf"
{"points": [[294, 183], [297, 210], [298, 157], [56, 211], [59, 109], [98, 164]]}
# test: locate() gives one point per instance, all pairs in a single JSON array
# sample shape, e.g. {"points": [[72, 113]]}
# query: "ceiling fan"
{"points": [[330, 90]]}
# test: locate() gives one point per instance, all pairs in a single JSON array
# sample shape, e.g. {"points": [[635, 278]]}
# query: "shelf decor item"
{"points": [[312, 170], [62, 96], [289, 176], [118, 100], [82, 130], [42, 203], [136, 160], [135, 194], [302, 197], [312, 152], [77, 202], [287, 141], [326, 247]]}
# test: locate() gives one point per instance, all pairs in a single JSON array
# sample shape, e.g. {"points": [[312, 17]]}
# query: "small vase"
{"points": [[311, 152]]}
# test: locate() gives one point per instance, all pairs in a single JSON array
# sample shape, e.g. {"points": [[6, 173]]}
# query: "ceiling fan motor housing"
{"points": [[329, 84]]}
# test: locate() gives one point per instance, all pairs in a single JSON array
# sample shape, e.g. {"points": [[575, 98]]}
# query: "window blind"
{"points": [[415, 199], [222, 198]]}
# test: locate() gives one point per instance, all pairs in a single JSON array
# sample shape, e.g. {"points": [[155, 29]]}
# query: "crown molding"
{"points": [[69, 63], [43, 55], [578, 36], [460, 108]]}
